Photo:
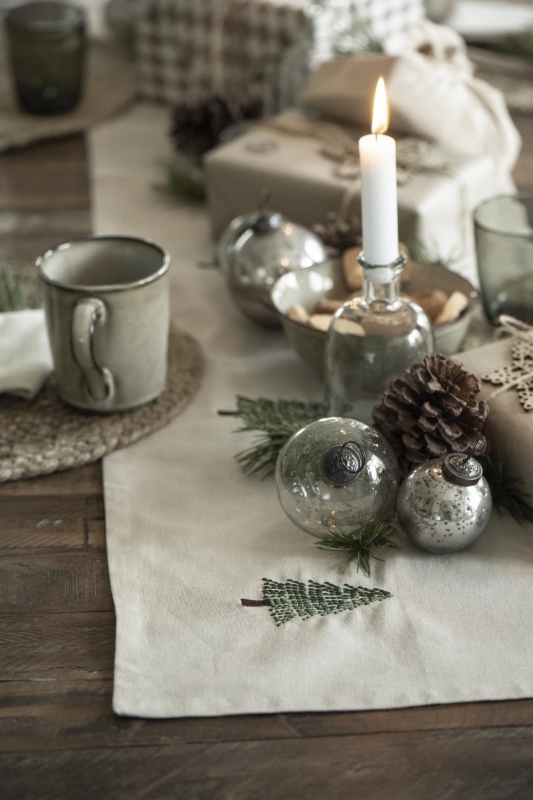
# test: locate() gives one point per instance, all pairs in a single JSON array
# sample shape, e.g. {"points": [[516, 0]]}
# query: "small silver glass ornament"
{"points": [[371, 340], [256, 249], [445, 505], [337, 474]]}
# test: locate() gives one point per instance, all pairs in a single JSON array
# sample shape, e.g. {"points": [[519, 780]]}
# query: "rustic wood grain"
{"points": [[58, 735], [61, 583], [44, 524], [388, 766], [44, 197], [84, 481], [52, 647], [73, 712]]}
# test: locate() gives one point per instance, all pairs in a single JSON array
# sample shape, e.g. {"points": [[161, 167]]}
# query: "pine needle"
{"points": [[273, 422], [184, 179], [357, 37], [362, 545], [424, 254], [508, 493], [17, 289]]}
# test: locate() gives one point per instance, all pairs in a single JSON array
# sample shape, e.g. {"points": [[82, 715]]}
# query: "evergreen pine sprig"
{"points": [[273, 422], [184, 179], [362, 545], [358, 36], [425, 254], [18, 288], [508, 492]]}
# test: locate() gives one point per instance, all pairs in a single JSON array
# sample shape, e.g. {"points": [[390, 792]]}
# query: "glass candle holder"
{"points": [[504, 243], [371, 340], [47, 52]]}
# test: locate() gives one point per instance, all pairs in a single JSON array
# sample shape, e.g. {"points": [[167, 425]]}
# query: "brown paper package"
{"points": [[509, 428], [434, 208]]}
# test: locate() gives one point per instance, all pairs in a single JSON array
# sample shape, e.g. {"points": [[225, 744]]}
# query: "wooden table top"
{"points": [[58, 736]]}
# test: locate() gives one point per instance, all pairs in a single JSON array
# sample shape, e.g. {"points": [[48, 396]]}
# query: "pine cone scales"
{"points": [[432, 409], [197, 128], [338, 233]]}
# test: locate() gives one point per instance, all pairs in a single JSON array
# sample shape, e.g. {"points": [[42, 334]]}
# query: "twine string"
{"points": [[518, 330], [414, 156]]}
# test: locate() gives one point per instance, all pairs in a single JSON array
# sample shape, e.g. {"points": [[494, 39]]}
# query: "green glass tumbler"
{"points": [[47, 51], [504, 243]]}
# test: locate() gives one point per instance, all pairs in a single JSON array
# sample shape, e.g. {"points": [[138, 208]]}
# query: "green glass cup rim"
{"points": [[15, 18], [528, 195]]}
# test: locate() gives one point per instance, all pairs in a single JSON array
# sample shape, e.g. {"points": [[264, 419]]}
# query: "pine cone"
{"points": [[196, 129], [338, 233], [431, 410]]}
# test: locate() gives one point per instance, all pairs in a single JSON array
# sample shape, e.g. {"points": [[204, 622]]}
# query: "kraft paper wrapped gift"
{"points": [[509, 428], [435, 207], [432, 94]]}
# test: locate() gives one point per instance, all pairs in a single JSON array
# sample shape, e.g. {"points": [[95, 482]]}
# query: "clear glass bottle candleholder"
{"points": [[371, 340]]}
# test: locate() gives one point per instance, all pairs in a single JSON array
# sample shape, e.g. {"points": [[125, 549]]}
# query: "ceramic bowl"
{"points": [[307, 287]]}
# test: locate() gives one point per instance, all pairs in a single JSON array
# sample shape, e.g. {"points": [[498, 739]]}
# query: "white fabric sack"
{"points": [[432, 95], [25, 357]]}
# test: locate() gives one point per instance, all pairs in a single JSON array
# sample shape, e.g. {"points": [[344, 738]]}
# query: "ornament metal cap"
{"points": [[343, 463], [462, 470], [266, 221]]}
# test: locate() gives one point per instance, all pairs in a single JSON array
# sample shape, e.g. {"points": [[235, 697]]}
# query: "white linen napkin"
{"points": [[25, 357]]}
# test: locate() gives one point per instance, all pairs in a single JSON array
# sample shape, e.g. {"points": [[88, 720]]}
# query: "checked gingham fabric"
{"points": [[189, 49]]}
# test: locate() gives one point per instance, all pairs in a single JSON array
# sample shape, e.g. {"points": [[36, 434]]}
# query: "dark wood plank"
{"points": [[390, 766], [75, 714], [38, 524], [55, 715], [53, 647], [85, 481], [60, 583], [47, 176], [509, 713], [44, 197]]}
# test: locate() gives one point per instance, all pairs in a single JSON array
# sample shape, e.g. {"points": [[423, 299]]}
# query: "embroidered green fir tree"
{"points": [[294, 598]]}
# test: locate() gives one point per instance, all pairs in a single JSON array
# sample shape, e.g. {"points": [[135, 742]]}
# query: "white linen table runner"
{"points": [[189, 535]]}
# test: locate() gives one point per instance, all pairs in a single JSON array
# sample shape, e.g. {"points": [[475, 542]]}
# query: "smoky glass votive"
{"points": [[47, 43], [504, 243]]}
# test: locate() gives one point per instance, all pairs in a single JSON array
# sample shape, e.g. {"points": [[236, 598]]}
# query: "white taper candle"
{"points": [[379, 199]]}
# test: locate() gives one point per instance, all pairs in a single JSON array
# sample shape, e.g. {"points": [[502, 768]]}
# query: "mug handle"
{"points": [[88, 314]]}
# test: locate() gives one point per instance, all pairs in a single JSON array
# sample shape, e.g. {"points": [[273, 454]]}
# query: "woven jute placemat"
{"points": [[46, 435], [110, 87]]}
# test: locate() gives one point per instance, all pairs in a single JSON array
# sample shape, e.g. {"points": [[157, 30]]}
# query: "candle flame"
{"points": [[380, 117]]}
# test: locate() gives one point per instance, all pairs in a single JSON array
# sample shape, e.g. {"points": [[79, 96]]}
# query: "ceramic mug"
{"points": [[106, 302]]}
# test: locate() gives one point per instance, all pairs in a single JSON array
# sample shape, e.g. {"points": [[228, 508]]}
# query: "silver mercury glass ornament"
{"points": [[257, 249], [337, 474], [371, 340], [445, 505]]}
